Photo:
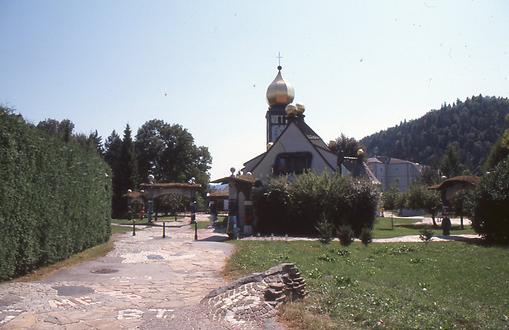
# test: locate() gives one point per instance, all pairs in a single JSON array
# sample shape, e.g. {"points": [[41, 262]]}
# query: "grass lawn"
{"points": [[404, 226], [121, 230], [416, 285]]}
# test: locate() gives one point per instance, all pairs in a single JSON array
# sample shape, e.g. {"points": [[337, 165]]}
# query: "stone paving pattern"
{"points": [[146, 282], [251, 300]]}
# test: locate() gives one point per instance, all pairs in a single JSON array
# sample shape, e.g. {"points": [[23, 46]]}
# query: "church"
{"points": [[292, 146]]}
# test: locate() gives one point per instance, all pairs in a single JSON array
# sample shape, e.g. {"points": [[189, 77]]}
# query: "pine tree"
{"points": [[112, 156]]}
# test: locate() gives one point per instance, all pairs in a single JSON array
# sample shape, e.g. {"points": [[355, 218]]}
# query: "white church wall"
{"points": [[291, 141]]}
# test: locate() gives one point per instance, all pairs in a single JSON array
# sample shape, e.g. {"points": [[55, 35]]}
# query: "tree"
{"points": [[346, 146], [491, 205], [499, 151], [450, 165], [63, 129], [170, 203], [432, 204], [169, 153], [128, 169], [96, 142], [420, 197], [112, 156], [473, 126], [462, 202], [390, 198]]}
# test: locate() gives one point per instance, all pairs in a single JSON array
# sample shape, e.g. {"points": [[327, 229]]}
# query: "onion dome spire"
{"points": [[279, 91]]}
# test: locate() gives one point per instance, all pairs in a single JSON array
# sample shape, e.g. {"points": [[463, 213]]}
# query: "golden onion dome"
{"points": [[279, 91], [290, 110], [300, 108]]}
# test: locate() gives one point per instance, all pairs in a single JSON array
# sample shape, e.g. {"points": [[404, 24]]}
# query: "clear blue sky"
{"points": [[358, 66]]}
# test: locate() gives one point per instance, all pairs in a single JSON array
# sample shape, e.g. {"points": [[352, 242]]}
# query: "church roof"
{"points": [[310, 135]]}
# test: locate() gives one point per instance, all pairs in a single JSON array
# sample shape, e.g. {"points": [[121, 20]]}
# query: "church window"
{"points": [[292, 162]]}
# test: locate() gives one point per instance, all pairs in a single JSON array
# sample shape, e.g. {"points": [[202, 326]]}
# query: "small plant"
{"points": [[426, 235], [366, 236], [325, 230], [345, 235]]}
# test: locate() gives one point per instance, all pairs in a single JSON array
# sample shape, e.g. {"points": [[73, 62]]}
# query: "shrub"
{"points": [[325, 230], [390, 198], [366, 236], [270, 205], [55, 197], [491, 205], [345, 235], [426, 235], [283, 207]]}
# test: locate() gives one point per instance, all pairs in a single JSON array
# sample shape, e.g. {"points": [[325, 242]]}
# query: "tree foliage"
{"points": [[491, 206], [473, 126], [500, 150], [390, 198], [345, 146], [169, 153], [421, 197], [54, 197]]}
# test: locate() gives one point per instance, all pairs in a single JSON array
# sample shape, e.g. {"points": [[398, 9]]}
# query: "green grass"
{"points": [[121, 230], [405, 226], [448, 285]]}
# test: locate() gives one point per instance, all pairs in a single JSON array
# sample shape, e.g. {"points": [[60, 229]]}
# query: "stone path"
{"points": [[146, 282], [401, 239]]}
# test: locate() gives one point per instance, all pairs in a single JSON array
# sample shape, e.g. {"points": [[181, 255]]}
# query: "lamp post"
{"points": [[193, 209], [150, 202]]}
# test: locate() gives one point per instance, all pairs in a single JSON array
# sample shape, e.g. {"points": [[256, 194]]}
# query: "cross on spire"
{"points": [[279, 57]]}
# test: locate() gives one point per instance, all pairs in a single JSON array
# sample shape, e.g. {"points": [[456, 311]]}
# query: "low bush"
{"points": [[325, 231], [345, 235], [366, 236]]}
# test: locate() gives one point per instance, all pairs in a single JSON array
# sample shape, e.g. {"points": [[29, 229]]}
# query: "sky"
{"points": [[358, 66]]}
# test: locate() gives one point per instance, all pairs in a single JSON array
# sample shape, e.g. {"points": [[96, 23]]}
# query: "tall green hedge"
{"points": [[55, 197], [296, 207]]}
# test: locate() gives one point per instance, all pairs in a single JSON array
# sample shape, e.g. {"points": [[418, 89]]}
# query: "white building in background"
{"points": [[395, 172]]}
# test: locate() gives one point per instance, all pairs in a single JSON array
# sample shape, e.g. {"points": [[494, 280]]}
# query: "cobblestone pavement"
{"points": [[146, 282]]}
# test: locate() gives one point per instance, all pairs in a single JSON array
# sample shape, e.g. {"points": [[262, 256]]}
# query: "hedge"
{"points": [[296, 207], [55, 197]]}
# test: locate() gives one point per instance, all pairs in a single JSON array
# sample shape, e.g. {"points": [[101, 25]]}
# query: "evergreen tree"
{"points": [[112, 156], [129, 172], [473, 126], [450, 165], [499, 151]]}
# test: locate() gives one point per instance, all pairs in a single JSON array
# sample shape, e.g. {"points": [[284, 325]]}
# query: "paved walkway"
{"points": [[146, 282], [400, 239]]}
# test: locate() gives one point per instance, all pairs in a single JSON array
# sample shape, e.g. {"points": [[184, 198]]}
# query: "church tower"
{"points": [[279, 94]]}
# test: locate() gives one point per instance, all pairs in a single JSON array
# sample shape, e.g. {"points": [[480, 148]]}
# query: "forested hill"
{"points": [[472, 127]]}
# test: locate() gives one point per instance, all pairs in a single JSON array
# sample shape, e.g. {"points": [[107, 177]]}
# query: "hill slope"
{"points": [[472, 126]]}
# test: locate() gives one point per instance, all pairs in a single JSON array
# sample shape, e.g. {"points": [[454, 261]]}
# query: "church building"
{"points": [[292, 146]]}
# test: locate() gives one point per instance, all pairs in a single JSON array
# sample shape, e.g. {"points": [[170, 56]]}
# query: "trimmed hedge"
{"points": [[296, 208], [55, 197]]}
